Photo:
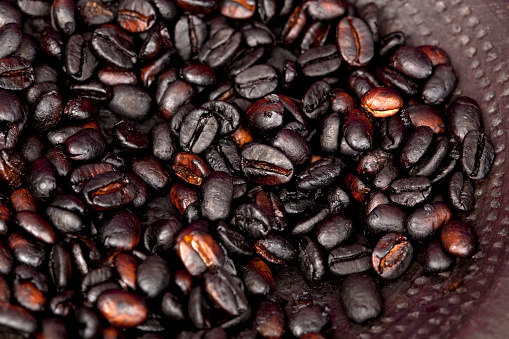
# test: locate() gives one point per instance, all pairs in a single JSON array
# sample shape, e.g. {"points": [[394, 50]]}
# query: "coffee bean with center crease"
{"points": [[319, 61], [275, 248], [220, 48], [435, 259], [16, 73], [410, 191], [217, 194], [477, 155], [355, 41], [316, 100], [461, 192], [113, 46], [108, 190], [265, 164], [190, 34], [392, 255], [136, 15], [80, 62], [361, 297], [198, 130], [256, 81], [311, 259], [122, 308]]}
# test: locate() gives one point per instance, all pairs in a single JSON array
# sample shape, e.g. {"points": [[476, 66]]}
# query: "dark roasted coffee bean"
{"points": [[355, 41], [80, 108], [458, 238], [151, 171], [224, 291], [198, 74], [183, 196], [319, 61], [358, 130], [122, 231], [311, 259], [393, 133], [252, 220], [333, 230], [17, 317], [95, 13], [223, 156], [394, 79], [66, 212], [319, 174], [266, 165], [128, 137], [293, 145], [331, 133], [197, 248], [80, 62], [26, 251], [174, 97], [426, 220], [63, 16], [412, 62], [423, 115], [361, 81], [435, 54], [392, 256], [238, 9], [344, 260], [357, 187], [198, 130], [122, 308], [163, 146], [153, 275], [52, 43], [190, 168], [266, 114], [477, 155], [108, 190], [369, 13], [243, 60], [386, 218], [361, 297], [316, 100], [410, 191], [390, 42], [440, 85], [60, 266], [10, 39], [92, 89], [275, 249], [294, 26], [156, 40], [172, 308], [86, 144], [130, 102], [197, 6], [36, 225], [382, 102], [12, 168], [87, 322], [217, 194], [198, 309], [150, 71], [116, 76], [326, 9], [96, 276], [6, 259], [461, 192], [16, 73], [435, 259], [270, 320], [258, 277], [220, 48], [315, 36], [160, 236], [257, 35], [416, 146], [136, 15], [464, 116], [308, 319], [190, 34], [113, 46], [256, 81], [42, 179], [234, 242], [126, 267]]}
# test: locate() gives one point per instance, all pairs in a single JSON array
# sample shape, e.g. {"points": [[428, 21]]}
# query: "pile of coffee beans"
{"points": [[161, 159]]}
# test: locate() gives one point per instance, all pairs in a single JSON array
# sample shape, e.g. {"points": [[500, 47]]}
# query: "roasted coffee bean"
{"points": [[316, 100], [326, 9], [60, 267], [394, 79], [319, 174], [151, 171], [410, 191], [269, 320], [122, 231], [334, 229], [223, 156], [344, 260], [266, 115], [36, 225], [87, 144], [84, 173], [361, 297], [440, 85], [96, 276], [238, 9], [412, 62], [294, 26], [80, 62], [136, 15], [382, 102], [172, 308], [197, 248], [331, 133], [426, 220], [315, 36], [416, 146], [153, 275], [129, 137], [160, 236], [435, 54], [258, 35], [355, 41], [66, 213], [319, 61], [115, 76], [26, 251], [163, 146], [461, 192], [190, 34], [6, 259], [16, 73], [464, 116], [113, 46], [122, 308], [108, 190], [341, 101], [311, 259], [217, 194], [258, 278], [17, 317], [198, 74], [393, 133], [234, 242], [308, 319], [182, 196], [63, 16], [251, 219], [149, 73], [369, 13], [220, 48], [12, 168], [42, 179], [386, 218], [256, 81], [52, 43], [190, 168], [423, 115], [156, 40], [174, 97], [361, 81], [290, 74], [130, 102], [198, 130], [358, 130], [435, 259], [87, 322], [458, 238], [392, 256], [197, 6], [293, 145], [357, 188], [10, 39], [477, 155], [224, 291], [275, 249], [266, 165], [243, 60]]}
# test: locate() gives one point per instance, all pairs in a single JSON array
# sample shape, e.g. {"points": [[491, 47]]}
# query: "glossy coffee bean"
{"points": [[412, 62], [410, 191], [361, 297], [396, 80], [151, 171], [136, 15], [316, 100], [440, 85], [423, 115], [426, 220], [122, 231], [153, 275], [26, 251], [477, 155], [198, 130], [231, 239], [122, 308], [80, 62], [16, 73], [458, 238], [190, 168], [461, 192], [17, 317], [464, 116], [416, 146], [311, 259], [319, 174], [275, 249], [319, 61], [86, 144], [190, 34], [270, 320], [256, 81], [114, 46], [385, 218], [217, 194], [293, 145], [392, 256], [108, 190], [130, 102], [36, 225], [392, 133], [435, 54], [220, 48], [308, 319], [355, 41], [358, 130], [251, 219], [238, 9], [349, 259], [266, 165], [174, 97], [258, 278], [382, 102], [294, 26], [326, 9], [224, 291], [435, 259]]}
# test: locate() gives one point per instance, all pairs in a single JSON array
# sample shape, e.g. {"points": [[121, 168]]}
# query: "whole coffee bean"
{"points": [[258, 278], [326, 9], [153, 173], [256, 81], [87, 322], [86, 144], [461, 192], [17, 317], [251, 219], [217, 194], [293, 145], [108, 190], [435, 54], [234, 242], [358, 130], [42, 179], [63, 16], [477, 155], [174, 97], [316, 100], [361, 297], [295, 24], [220, 48], [464, 116], [197, 248], [410, 191], [113, 46], [369, 13], [319, 61], [393, 133], [458, 238], [198, 130], [355, 41], [190, 168], [122, 308], [130, 102], [16, 73], [26, 251], [37, 226], [394, 79], [10, 39], [153, 275], [238, 9], [190, 34], [269, 320], [122, 231], [392, 256], [361, 81], [182, 196], [275, 249], [160, 236], [171, 307], [331, 133], [197, 6], [311, 259], [435, 259], [382, 102], [225, 292], [386, 218], [308, 319], [319, 174], [266, 165], [266, 114], [423, 115], [427, 219], [344, 260], [412, 62], [440, 85], [60, 267], [136, 15], [80, 62]]}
